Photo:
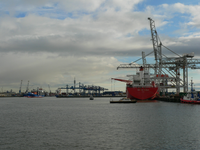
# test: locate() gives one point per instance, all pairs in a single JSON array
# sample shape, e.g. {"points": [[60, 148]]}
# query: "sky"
{"points": [[51, 42]]}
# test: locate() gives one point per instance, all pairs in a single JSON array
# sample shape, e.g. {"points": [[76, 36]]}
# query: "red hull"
{"points": [[190, 101], [141, 93]]}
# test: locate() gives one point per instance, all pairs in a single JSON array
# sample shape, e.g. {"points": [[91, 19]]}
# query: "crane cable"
{"points": [[167, 48], [153, 51], [141, 58], [171, 51]]}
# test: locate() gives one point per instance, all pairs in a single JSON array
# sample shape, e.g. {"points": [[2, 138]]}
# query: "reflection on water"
{"points": [[60, 123]]}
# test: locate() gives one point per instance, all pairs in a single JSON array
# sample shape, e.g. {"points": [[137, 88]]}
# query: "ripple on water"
{"points": [[52, 123]]}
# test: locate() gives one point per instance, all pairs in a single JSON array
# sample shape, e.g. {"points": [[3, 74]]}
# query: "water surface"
{"points": [[79, 123]]}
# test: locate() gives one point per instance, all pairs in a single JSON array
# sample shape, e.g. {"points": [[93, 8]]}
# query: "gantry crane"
{"points": [[83, 89], [49, 89], [20, 88], [166, 69], [27, 88]]}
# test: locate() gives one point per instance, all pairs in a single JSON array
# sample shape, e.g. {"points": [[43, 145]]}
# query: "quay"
{"points": [[175, 98]]}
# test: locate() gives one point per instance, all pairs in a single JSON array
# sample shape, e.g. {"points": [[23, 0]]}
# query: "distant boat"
{"points": [[32, 95], [192, 96], [91, 97]]}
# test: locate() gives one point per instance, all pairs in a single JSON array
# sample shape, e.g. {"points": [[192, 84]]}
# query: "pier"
{"points": [[175, 99]]}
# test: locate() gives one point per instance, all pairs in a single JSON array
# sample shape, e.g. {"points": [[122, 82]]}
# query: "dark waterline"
{"points": [[79, 123]]}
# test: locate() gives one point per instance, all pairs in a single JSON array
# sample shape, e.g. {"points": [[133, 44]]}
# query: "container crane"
{"points": [[27, 88], [49, 89], [164, 64], [20, 88], [156, 47]]}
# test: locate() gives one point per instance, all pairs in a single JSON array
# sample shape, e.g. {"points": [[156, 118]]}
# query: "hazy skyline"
{"points": [[51, 42]]}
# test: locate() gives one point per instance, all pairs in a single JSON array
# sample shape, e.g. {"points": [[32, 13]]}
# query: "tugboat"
{"points": [[192, 97], [140, 87]]}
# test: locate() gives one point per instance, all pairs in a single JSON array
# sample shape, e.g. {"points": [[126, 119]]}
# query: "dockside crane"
{"points": [[20, 88], [83, 89], [49, 89], [27, 88], [167, 65], [156, 47]]}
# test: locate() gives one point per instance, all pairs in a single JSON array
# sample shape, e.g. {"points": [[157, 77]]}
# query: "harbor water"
{"points": [[51, 123]]}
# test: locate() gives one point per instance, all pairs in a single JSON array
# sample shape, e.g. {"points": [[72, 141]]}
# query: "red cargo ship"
{"points": [[140, 86]]}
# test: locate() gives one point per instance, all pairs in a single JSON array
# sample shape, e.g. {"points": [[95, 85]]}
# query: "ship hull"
{"points": [[141, 93]]}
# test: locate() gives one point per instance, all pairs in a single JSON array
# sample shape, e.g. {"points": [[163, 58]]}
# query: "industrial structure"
{"points": [[82, 89], [27, 88], [167, 70], [20, 88]]}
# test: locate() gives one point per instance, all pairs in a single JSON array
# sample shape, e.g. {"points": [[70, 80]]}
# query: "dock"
{"points": [[175, 99]]}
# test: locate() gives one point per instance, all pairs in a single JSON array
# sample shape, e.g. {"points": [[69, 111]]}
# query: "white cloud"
{"points": [[80, 5], [169, 11], [119, 5], [186, 20], [86, 35], [193, 10]]}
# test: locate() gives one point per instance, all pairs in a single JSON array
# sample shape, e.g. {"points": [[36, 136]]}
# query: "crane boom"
{"points": [[156, 44]]}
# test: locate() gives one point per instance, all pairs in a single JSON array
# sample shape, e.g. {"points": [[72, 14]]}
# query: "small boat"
{"points": [[192, 96], [91, 97], [124, 100]]}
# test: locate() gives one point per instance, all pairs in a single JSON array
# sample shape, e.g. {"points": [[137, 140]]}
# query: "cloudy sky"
{"points": [[51, 42]]}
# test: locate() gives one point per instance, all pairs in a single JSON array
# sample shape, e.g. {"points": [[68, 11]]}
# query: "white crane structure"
{"points": [[166, 69], [20, 88], [49, 89], [27, 88]]}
